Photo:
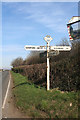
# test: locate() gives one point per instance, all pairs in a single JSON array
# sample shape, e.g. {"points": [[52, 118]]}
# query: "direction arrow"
{"points": [[43, 54], [60, 48], [53, 53], [35, 48]]}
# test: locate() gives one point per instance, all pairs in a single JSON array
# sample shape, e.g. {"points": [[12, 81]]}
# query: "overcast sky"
{"points": [[26, 23]]}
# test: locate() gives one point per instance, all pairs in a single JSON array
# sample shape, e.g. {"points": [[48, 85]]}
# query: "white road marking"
{"points": [[6, 93]]}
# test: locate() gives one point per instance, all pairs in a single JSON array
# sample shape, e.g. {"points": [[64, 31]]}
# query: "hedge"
{"points": [[64, 74]]}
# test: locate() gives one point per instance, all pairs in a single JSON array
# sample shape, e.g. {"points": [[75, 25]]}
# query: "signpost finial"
{"points": [[48, 38]]}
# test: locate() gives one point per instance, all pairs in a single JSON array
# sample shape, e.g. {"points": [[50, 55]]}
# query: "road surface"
{"points": [[9, 110], [0, 94], [0, 83], [5, 80]]}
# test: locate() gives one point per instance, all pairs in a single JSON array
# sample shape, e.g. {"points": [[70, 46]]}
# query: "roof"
{"points": [[74, 19]]}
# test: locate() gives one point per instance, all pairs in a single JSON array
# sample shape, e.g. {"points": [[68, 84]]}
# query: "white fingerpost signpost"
{"points": [[48, 40], [49, 50]]}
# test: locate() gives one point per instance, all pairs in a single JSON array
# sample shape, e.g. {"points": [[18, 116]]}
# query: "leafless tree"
{"points": [[64, 42], [17, 62], [34, 58]]}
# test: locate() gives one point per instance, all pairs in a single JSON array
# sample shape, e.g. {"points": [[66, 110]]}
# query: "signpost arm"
{"points": [[48, 67]]}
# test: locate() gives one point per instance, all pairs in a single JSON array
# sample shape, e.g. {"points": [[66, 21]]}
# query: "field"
{"points": [[36, 102]]}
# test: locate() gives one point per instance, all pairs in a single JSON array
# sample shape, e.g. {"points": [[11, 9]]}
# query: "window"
{"points": [[75, 31]]}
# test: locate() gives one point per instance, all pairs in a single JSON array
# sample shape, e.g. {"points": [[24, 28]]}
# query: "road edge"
{"points": [[5, 98]]}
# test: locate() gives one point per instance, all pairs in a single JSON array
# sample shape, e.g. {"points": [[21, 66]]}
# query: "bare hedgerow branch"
{"points": [[17, 62]]}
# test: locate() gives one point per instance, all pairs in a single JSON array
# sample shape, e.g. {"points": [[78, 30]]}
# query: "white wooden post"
{"points": [[48, 40], [48, 67]]}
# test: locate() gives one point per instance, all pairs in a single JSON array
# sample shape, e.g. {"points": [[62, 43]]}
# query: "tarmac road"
{"points": [[5, 80], [0, 95], [9, 110], [0, 83]]}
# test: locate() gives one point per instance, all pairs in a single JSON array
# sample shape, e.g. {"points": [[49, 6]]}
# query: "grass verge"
{"points": [[39, 103]]}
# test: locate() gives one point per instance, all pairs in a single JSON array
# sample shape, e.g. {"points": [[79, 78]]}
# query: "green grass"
{"points": [[38, 103]]}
